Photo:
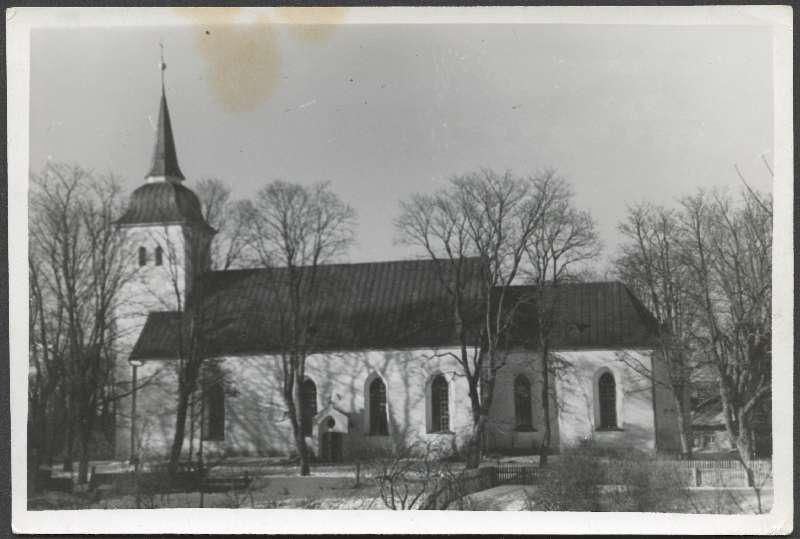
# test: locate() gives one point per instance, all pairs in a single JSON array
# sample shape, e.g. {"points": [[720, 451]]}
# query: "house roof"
{"points": [[384, 305], [708, 414]]}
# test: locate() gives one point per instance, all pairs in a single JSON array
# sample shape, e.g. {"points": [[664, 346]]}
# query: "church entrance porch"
{"points": [[330, 447], [331, 425]]}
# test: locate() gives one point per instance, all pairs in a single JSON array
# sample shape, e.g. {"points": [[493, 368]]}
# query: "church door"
{"points": [[331, 446]]}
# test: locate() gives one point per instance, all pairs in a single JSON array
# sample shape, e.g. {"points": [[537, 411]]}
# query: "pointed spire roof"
{"points": [[165, 158], [163, 200]]}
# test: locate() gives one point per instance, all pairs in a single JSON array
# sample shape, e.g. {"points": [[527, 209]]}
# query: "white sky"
{"points": [[626, 113]]}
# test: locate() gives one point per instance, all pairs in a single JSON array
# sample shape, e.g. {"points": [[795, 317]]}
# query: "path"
{"points": [[502, 498]]}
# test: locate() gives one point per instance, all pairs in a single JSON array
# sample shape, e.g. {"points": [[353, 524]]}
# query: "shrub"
{"points": [[647, 485], [584, 476], [572, 483]]}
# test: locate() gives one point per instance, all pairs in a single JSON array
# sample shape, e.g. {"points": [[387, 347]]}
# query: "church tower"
{"points": [[167, 243], [166, 234]]}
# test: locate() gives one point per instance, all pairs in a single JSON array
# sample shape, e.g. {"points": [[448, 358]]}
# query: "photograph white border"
{"points": [[20, 22]]}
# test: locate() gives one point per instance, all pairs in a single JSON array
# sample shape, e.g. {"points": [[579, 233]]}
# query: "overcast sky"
{"points": [[626, 113]]}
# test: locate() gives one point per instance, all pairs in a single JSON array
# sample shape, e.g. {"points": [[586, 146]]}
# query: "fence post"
{"points": [[698, 477]]}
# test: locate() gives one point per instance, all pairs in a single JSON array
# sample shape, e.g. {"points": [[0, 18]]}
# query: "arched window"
{"points": [[308, 405], [440, 411], [142, 256], [214, 411], [607, 391], [522, 403], [378, 424], [159, 257]]}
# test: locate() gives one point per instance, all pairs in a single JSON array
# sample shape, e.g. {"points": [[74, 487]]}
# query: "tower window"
{"points": [[142, 256], [440, 411], [378, 424], [607, 391], [522, 403], [308, 405], [159, 255], [214, 416]]}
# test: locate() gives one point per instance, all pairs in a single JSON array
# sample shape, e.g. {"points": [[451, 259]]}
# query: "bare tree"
{"points": [[557, 252], [298, 228], [492, 216], [229, 218], [77, 270], [408, 478], [728, 254], [650, 264]]}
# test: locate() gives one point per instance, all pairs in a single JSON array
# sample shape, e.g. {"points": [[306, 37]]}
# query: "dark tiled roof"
{"points": [[381, 305], [586, 315], [165, 158], [386, 305], [163, 202]]}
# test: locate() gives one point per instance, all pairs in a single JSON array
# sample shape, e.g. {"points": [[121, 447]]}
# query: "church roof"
{"points": [[163, 199], [163, 203], [380, 305], [165, 158], [376, 305], [586, 315]]}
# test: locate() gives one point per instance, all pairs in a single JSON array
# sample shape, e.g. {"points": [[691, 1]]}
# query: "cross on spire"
{"points": [[163, 65]]}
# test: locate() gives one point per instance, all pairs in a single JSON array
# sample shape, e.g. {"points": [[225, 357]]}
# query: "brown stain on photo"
{"points": [[243, 57], [314, 24]]}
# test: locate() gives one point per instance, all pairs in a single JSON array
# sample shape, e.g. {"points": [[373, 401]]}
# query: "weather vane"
{"points": [[162, 64]]}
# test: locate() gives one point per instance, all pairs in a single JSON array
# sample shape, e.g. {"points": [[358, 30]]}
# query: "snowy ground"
{"points": [[700, 500], [278, 485]]}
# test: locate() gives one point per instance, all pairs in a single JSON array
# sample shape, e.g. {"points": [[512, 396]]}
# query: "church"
{"points": [[383, 372]]}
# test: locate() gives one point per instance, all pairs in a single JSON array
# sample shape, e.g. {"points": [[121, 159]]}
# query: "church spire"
{"points": [[165, 159]]}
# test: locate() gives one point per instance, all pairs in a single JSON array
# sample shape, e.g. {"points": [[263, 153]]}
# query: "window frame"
{"points": [[213, 425], [378, 415], [439, 394], [142, 256], [607, 402], [521, 426], [308, 423]]}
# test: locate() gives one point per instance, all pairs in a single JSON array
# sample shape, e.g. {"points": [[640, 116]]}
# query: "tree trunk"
{"points": [[474, 444], [297, 428], [474, 441], [684, 427], [69, 443], [180, 431], [305, 467], [545, 446], [84, 455]]}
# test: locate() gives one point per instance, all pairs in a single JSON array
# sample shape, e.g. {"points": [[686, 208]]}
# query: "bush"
{"points": [[572, 483], [584, 476], [647, 485]]}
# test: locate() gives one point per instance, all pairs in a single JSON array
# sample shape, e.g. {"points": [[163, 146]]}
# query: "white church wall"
{"points": [[502, 432], [256, 422], [578, 394], [667, 427]]}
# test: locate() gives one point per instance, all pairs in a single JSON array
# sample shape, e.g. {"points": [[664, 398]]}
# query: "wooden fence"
{"points": [[467, 482], [728, 473], [693, 473]]}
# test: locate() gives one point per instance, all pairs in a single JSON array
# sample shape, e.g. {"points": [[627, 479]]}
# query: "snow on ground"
{"points": [[700, 500]]}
